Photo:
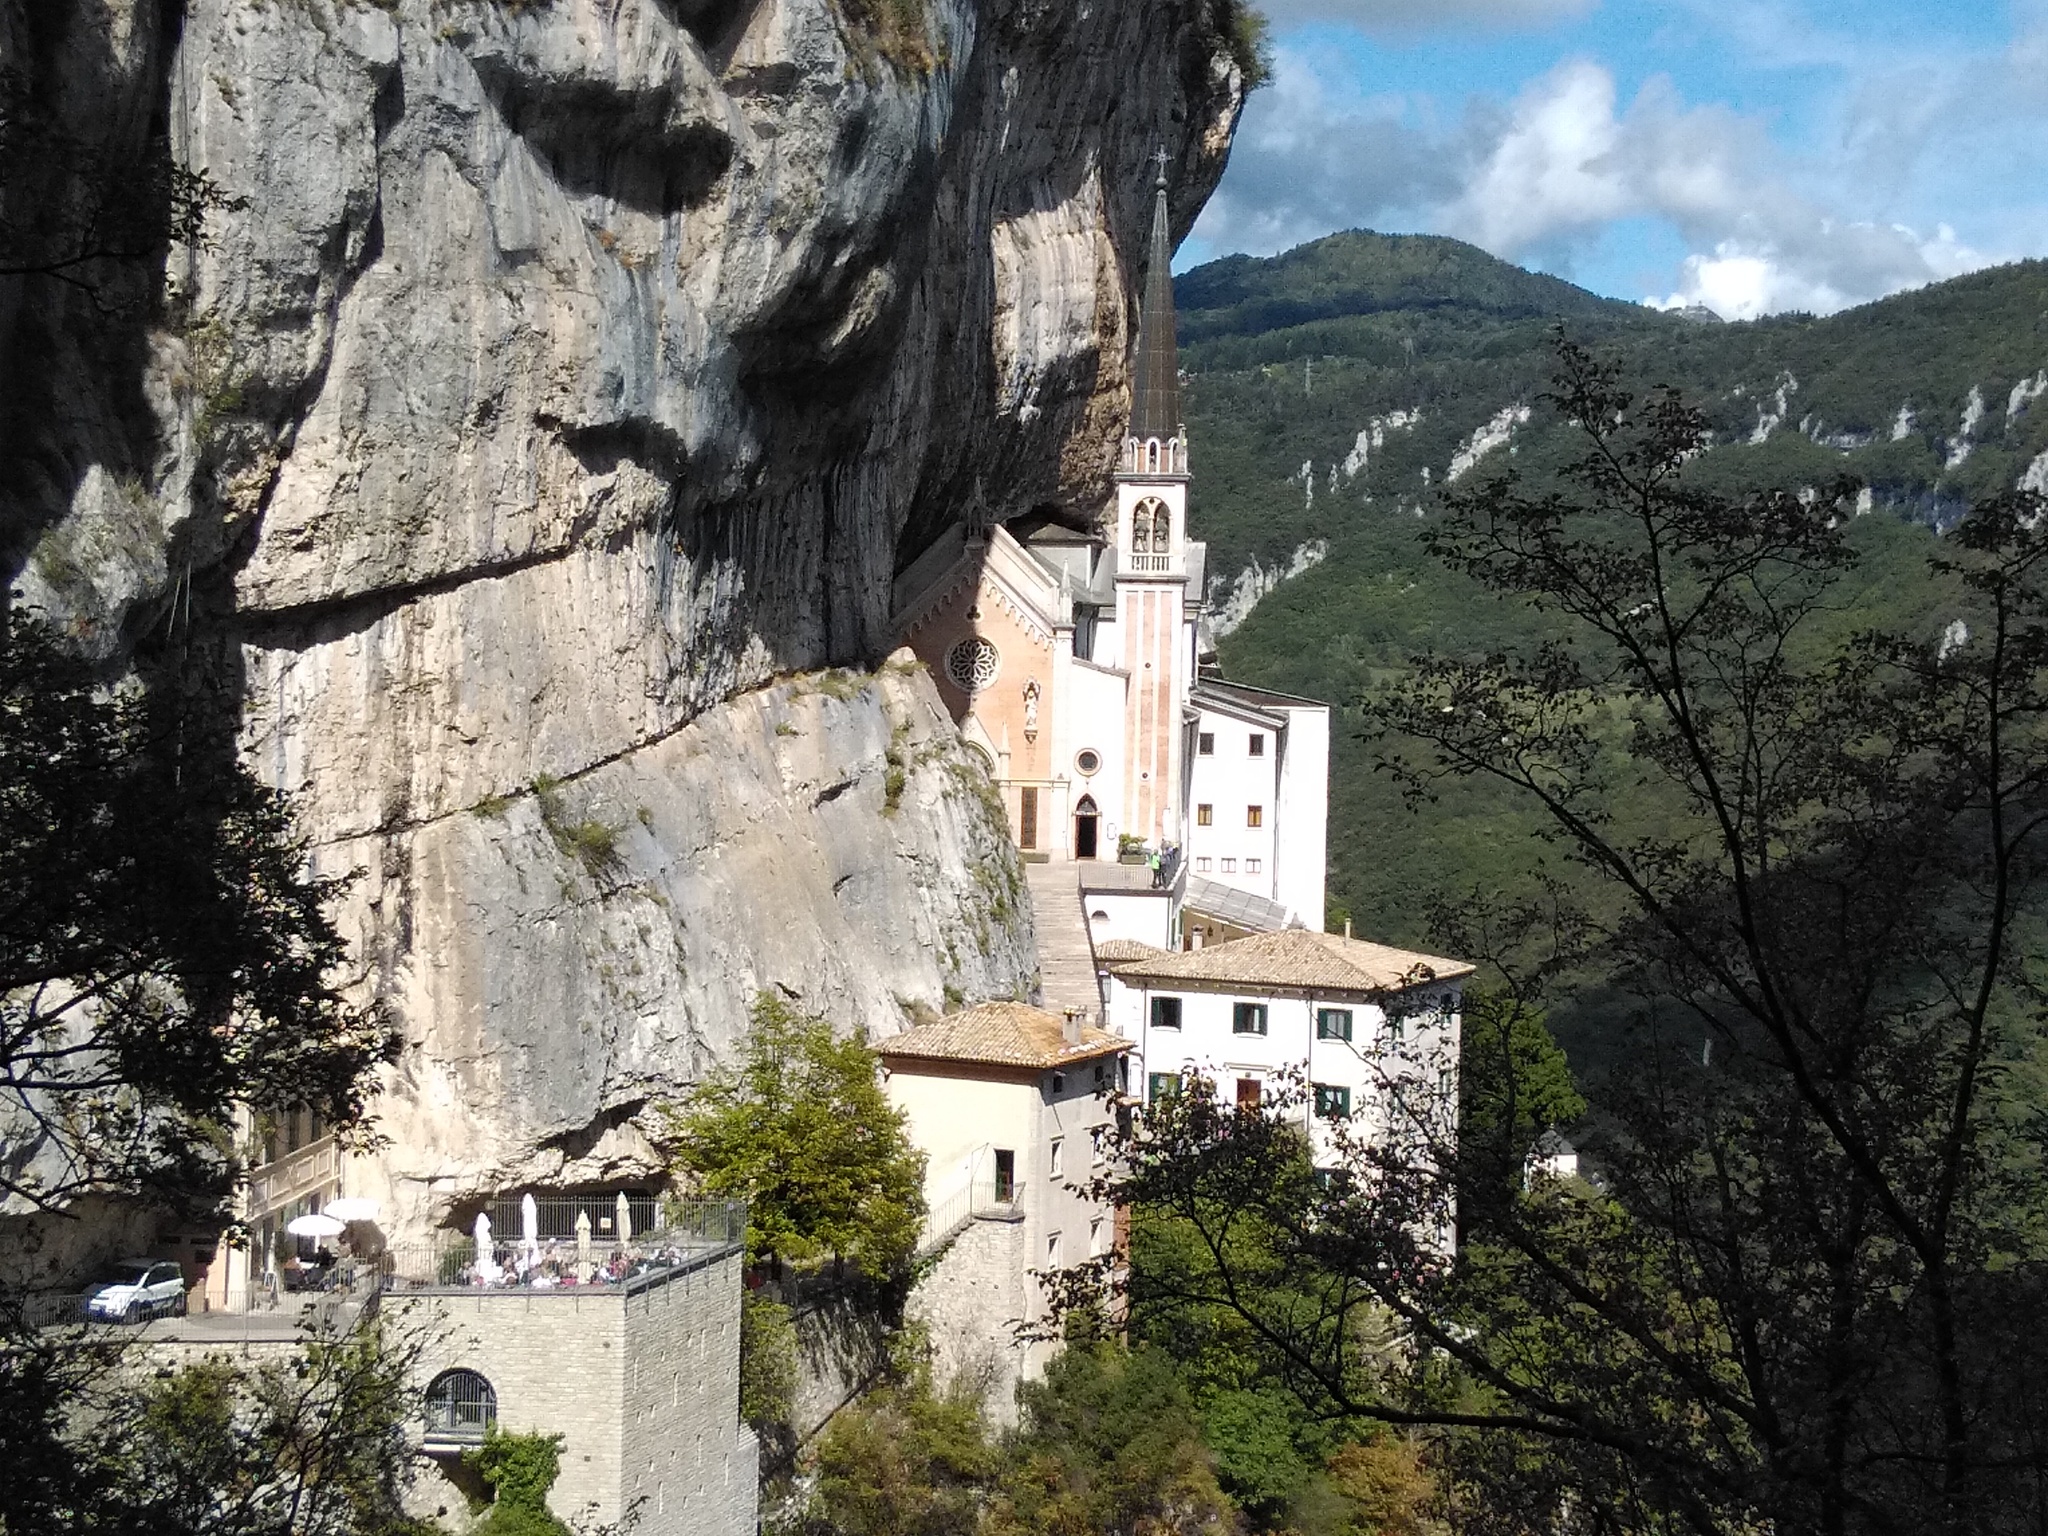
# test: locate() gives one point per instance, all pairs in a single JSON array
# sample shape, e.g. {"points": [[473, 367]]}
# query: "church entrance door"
{"points": [[1085, 821]]}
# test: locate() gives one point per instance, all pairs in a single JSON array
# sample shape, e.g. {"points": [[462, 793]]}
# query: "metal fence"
{"points": [[568, 1245]]}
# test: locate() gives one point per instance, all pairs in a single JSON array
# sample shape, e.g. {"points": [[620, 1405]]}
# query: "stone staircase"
{"points": [[1066, 960]]}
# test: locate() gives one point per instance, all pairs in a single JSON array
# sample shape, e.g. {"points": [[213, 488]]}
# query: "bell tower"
{"points": [[1151, 557]]}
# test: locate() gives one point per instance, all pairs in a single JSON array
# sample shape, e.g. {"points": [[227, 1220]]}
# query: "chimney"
{"points": [[1347, 927], [1071, 1031]]}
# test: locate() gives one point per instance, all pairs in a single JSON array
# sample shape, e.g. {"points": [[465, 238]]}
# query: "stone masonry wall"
{"points": [[969, 1302], [644, 1390], [690, 1468]]}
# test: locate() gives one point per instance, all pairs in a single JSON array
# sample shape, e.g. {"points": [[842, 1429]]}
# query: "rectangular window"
{"points": [[1166, 1013], [1006, 1176], [1058, 1146], [1332, 1103], [1054, 1257], [1247, 1093], [1097, 1231], [1253, 866], [1027, 818], [1255, 815], [1257, 746], [1333, 1023], [1230, 866], [1396, 1030], [1202, 866], [1095, 1145], [1205, 815], [1247, 1018], [1205, 744], [1160, 1086]]}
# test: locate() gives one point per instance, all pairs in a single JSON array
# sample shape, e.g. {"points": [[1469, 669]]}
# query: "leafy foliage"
{"points": [[163, 954], [802, 1131], [768, 1362], [519, 1469], [314, 1445], [1812, 1299]]}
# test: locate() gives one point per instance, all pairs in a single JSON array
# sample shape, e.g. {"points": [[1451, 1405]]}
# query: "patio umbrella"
{"points": [[529, 1222], [318, 1224], [625, 1219], [353, 1208]]}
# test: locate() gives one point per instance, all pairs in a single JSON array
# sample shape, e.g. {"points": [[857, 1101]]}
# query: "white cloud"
{"points": [[1541, 178]]}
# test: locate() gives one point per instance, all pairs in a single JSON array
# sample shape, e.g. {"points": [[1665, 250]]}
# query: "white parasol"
{"points": [[316, 1225], [529, 1222]]}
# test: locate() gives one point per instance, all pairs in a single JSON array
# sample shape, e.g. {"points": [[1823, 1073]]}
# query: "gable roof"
{"points": [[1001, 1035], [1299, 959]]}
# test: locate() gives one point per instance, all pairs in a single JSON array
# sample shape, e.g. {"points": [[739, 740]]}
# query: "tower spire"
{"points": [[1155, 385]]}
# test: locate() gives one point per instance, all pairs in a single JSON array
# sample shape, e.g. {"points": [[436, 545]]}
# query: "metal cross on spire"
{"points": [[1161, 157]]}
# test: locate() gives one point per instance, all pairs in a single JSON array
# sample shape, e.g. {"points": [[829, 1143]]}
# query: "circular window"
{"points": [[1088, 761], [973, 664]]}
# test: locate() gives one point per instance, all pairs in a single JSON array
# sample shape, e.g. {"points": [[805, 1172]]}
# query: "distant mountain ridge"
{"points": [[1332, 391]]}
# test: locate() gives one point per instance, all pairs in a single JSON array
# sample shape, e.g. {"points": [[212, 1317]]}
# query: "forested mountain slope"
{"points": [[1335, 389]]}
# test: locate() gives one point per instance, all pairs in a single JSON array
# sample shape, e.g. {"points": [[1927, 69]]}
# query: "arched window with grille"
{"points": [[1162, 528], [1141, 528], [462, 1408]]}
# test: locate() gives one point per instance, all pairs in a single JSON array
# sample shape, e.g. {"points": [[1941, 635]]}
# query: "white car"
{"points": [[135, 1289]]}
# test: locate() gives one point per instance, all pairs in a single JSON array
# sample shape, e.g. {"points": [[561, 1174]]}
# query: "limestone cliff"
{"points": [[564, 379]]}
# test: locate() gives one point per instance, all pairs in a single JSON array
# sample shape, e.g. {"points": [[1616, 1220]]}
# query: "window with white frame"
{"points": [[1254, 866], [1333, 1023], [1202, 866], [1057, 1147], [1230, 866]]}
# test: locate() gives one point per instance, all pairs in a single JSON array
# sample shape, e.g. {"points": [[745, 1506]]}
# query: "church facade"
{"points": [[1076, 662]]}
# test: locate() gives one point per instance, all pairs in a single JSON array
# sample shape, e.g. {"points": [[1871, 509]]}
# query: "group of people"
{"points": [[544, 1266]]}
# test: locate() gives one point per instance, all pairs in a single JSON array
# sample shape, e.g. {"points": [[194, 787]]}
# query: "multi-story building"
{"points": [[1011, 1106], [1353, 1020]]}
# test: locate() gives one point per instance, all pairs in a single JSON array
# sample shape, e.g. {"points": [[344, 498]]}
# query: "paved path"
{"points": [[1066, 962]]}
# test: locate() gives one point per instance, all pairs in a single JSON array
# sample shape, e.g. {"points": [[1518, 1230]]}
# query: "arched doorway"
{"points": [[1086, 820], [462, 1410]]}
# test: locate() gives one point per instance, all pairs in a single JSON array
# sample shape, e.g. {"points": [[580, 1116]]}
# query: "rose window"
{"points": [[973, 664]]}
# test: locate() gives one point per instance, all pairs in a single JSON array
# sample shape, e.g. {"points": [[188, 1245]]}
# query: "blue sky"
{"points": [[1752, 155]]}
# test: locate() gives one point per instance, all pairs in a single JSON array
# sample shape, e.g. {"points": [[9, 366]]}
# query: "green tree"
{"points": [[164, 955], [801, 1130], [1809, 861], [1109, 1445], [905, 1461], [520, 1469], [313, 1445]]}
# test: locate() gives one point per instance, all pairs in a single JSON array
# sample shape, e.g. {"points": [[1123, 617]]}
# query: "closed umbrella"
{"points": [[529, 1223], [625, 1218]]}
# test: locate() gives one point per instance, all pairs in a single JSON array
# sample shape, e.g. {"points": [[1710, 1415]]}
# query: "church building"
{"points": [[1077, 662]]}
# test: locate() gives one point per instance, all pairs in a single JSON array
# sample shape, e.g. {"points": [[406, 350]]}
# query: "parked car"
{"points": [[135, 1289]]}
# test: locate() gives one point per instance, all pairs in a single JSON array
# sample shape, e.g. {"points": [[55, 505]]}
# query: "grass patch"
{"points": [[592, 843], [896, 30], [897, 777], [491, 807]]}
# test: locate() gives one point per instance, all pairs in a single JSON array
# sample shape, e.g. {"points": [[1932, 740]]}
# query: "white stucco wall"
{"points": [[1301, 840], [1207, 1043]]}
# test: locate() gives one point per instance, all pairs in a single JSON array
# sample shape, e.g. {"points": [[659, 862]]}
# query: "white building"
{"points": [[1349, 1017], [1011, 1106], [1073, 659]]}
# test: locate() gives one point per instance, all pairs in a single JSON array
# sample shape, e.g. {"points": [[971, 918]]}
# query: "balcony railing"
{"points": [[676, 1238], [1150, 565]]}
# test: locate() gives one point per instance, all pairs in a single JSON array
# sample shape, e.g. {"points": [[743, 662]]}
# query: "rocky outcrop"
{"points": [[554, 378]]}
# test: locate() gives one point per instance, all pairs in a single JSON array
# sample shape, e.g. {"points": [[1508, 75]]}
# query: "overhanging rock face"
{"points": [[565, 375]]}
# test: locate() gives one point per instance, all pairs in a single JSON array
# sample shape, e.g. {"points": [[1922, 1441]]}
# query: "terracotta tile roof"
{"points": [[1000, 1034], [1118, 951], [1297, 958]]}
